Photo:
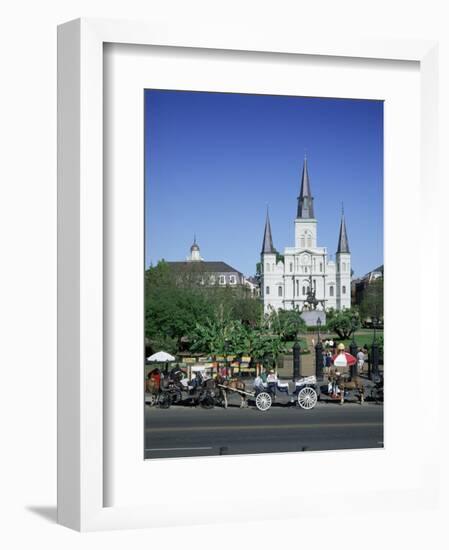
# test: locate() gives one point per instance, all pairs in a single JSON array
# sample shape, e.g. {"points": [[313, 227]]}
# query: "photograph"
{"points": [[264, 271]]}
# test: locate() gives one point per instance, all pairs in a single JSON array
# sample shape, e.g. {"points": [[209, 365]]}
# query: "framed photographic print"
{"points": [[228, 303]]}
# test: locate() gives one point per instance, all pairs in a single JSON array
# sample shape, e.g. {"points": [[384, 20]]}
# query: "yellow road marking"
{"points": [[264, 427]]}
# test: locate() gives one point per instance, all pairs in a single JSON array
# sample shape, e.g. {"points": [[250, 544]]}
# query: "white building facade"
{"points": [[286, 282]]}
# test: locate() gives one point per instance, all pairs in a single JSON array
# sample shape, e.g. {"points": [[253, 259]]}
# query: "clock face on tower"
{"points": [[305, 259]]}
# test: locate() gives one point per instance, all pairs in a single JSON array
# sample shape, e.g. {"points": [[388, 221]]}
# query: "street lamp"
{"points": [[374, 363], [296, 359], [226, 347], [353, 326], [353, 345], [374, 327], [318, 352]]}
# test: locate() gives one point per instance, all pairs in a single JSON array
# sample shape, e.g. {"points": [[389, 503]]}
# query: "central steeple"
{"points": [[305, 199]]}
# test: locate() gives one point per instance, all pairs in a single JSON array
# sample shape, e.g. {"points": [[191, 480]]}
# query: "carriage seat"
{"points": [[282, 386], [306, 380]]}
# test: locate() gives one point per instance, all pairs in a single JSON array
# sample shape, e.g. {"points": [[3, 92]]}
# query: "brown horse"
{"points": [[152, 386], [344, 382], [230, 385]]}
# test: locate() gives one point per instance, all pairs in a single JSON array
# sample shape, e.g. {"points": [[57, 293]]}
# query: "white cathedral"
{"points": [[306, 269]]}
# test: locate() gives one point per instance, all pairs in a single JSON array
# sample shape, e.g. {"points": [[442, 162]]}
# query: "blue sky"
{"points": [[214, 161]]}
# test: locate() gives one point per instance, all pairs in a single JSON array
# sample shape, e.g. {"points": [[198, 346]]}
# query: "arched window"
{"points": [[303, 290], [343, 289], [302, 241], [267, 290], [344, 266], [291, 267], [331, 291], [279, 290], [309, 241], [321, 267]]}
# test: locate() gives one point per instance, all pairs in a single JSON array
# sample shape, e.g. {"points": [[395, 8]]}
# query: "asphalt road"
{"points": [[184, 431]]}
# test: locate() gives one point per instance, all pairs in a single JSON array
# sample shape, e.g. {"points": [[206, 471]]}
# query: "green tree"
{"points": [[219, 335], [287, 324], [180, 304], [372, 305], [343, 323], [171, 311]]}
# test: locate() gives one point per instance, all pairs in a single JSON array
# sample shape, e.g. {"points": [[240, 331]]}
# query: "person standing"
{"points": [[360, 360], [259, 385]]}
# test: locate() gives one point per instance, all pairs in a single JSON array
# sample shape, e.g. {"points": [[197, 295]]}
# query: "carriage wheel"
{"points": [[164, 401], [208, 402], [307, 398], [263, 401], [177, 397]]}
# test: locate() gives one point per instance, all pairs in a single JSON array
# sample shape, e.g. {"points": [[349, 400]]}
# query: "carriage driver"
{"points": [[272, 381]]}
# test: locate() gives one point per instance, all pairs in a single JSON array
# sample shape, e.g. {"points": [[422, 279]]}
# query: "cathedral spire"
{"points": [[267, 245], [305, 199], [343, 244]]}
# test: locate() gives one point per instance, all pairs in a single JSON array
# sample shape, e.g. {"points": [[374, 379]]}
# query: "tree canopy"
{"points": [[214, 320], [175, 304], [343, 322], [372, 305]]}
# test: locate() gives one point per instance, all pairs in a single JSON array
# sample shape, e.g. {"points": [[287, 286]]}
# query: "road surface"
{"points": [[185, 431]]}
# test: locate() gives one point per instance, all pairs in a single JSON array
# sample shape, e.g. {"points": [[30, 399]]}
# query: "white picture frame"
{"points": [[81, 451]]}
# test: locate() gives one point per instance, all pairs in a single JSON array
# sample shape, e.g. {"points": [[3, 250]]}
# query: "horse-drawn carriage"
{"points": [[207, 392], [341, 385], [304, 393], [342, 381], [174, 387]]}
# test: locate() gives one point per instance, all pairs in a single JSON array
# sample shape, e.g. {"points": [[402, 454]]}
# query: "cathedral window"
{"points": [[343, 289], [321, 267], [303, 242], [291, 267], [309, 241], [331, 291], [267, 290], [303, 290], [279, 291]]}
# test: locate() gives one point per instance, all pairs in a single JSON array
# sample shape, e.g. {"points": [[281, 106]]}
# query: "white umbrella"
{"points": [[161, 357]]}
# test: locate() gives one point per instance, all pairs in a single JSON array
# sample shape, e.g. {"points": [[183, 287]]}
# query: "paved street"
{"points": [[184, 431]]}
